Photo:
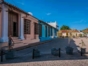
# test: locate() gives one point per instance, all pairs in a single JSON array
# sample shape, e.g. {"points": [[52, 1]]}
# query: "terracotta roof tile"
{"points": [[64, 31]]}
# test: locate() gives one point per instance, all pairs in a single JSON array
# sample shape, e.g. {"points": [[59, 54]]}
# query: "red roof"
{"points": [[65, 31]]}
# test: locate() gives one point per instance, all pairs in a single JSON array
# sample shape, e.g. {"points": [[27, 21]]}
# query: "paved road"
{"points": [[46, 48], [52, 63], [23, 57]]}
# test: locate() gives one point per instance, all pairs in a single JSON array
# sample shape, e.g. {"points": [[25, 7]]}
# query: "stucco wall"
{"points": [[43, 37], [32, 36], [64, 34], [0, 21]]}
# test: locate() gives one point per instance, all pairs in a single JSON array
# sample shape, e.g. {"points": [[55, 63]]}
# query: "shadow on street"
{"points": [[45, 51]]}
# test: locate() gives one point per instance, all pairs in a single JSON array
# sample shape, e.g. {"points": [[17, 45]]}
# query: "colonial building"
{"points": [[85, 31], [46, 31], [22, 26], [17, 23], [68, 33]]}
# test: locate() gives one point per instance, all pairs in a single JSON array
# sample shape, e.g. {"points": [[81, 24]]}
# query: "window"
{"points": [[36, 30], [40, 30], [46, 30], [51, 31], [27, 26], [55, 32]]}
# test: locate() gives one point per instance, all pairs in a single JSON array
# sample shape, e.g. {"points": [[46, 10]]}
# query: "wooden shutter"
{"points": [[27, 26], [36, 30]]}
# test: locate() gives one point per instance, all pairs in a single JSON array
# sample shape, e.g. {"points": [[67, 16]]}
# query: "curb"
{"points": [[31, 45]]}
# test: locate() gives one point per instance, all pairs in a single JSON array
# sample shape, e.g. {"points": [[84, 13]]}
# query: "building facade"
{"points": [[46, 31], [23, 26], [17, 23], [69, 33]]}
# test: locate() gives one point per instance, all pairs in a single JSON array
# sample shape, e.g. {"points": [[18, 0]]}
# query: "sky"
{"points": [[73, 13]]}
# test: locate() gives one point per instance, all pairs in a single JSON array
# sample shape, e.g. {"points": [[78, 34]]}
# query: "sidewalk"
{"points": [[22, 45]]}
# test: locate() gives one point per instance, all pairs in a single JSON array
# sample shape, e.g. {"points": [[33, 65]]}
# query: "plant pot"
{"points": [[10, 54], [69, 50], [53, 51], [36, 53], [83, 50]]}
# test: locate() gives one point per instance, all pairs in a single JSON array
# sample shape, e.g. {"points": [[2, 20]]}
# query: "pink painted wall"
{"points": [[0, 22], [33, 20], [32, 36]]}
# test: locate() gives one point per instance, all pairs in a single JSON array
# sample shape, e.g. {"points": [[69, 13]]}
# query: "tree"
{"points": [[85, 30], [64, 27]]}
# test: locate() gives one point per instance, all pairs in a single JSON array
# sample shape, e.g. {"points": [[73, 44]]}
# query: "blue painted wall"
{"points": [[45, 37]]}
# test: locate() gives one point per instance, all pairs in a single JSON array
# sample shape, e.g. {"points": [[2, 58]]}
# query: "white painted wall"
{"points": [[64, 34], [21, 27], [54, 24], [80, 33]]}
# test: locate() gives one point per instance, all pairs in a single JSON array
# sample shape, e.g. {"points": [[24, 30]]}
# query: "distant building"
{"points": [[85, 32], [54, 24], [80, 34], [70, 33]]}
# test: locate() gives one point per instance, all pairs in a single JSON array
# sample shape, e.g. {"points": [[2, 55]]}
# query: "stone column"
{"points": [[21, 27], [4, 35]]}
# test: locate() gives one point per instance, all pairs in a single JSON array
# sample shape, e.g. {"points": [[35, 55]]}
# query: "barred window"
{"points": [[36, 30], [27, 26]]}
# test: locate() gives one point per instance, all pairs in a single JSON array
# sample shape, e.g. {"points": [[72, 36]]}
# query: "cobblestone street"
{"points": [[24, 57]]}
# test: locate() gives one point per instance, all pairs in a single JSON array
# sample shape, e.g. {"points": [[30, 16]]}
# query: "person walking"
{"points": [[10, 42]]}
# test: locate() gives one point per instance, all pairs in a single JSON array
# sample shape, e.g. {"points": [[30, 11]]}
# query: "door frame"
{"points": [[11, 15]]}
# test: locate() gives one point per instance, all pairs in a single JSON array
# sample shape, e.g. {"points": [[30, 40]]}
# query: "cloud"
{"points": [[48, 14], [21, 3], [81, 21], [30, 13]]}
